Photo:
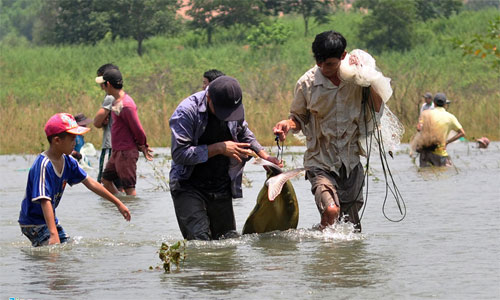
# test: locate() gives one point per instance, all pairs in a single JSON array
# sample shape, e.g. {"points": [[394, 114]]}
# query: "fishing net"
{"points": [[391, 130]]}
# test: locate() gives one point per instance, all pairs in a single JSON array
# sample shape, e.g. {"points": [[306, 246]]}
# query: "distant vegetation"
{"points": [[39, 78]]}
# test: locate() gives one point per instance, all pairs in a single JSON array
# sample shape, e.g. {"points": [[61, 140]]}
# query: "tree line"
{"points": [[387, 25]]}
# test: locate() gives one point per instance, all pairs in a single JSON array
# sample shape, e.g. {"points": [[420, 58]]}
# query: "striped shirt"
{"points": [[44, 182]]}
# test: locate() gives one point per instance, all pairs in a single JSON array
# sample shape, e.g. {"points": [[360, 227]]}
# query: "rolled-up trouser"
{"points": [[202, 215], [329, 188]]}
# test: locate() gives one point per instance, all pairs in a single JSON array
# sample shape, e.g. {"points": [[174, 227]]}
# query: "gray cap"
{"points": [[440, 99], [428, 95]]}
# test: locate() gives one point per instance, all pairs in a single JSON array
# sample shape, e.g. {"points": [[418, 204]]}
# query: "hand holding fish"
{"points": [[232, 149], [274, 160]]}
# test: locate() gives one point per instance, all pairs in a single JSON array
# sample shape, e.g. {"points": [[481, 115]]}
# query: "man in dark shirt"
{"points": [[210, 144]]}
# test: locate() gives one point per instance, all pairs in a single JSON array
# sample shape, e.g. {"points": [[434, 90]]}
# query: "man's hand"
{"points": [[354, 60], [231, 149], [235, 150], [148, 152], [282, 127], [275, 161]]}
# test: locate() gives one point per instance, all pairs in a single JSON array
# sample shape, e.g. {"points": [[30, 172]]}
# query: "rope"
{"points": [[280, 148], [392, 187]]}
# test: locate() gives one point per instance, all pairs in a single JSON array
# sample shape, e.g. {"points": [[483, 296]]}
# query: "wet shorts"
{"points": [[427, 159], [345, 192], [39, 234], [122, 165]]}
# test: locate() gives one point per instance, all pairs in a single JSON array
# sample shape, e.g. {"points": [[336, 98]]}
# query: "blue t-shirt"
{"points": [[45, 183]]}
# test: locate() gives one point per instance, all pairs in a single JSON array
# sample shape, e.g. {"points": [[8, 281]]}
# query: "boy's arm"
{"points": [[135, 126], [97, 188], [100, 117], [50, 220]]}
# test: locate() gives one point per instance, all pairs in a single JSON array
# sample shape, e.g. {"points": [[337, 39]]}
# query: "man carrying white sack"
{"points": [[328, 108]]}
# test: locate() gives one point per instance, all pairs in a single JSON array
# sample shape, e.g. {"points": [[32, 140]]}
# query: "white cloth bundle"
{"points": [[359, 67]]}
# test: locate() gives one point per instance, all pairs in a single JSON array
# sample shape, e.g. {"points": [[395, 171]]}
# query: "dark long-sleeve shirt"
{"points": [[187, 124]]}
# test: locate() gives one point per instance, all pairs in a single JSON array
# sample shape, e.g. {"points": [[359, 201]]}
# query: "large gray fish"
{"points": [[277, 207]]}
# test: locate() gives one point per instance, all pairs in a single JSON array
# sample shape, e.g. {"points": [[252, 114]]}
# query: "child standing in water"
{"points": [[48, 177]]}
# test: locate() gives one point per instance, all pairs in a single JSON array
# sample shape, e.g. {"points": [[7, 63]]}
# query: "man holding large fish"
{"points": [[210, 144], [328, 108]]}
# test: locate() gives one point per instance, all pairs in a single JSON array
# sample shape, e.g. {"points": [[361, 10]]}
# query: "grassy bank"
{"points": [[40, 81]]}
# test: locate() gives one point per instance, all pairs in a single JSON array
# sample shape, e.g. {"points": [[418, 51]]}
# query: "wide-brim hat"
{"points": [[82, 120], [483, 140], [227, 99]]}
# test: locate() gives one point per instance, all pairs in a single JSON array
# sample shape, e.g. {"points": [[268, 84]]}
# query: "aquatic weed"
{"points": [[161, 179], [175, 253]]}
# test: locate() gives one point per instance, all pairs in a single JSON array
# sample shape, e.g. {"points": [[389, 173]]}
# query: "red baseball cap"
{"points": [[63, 122]]}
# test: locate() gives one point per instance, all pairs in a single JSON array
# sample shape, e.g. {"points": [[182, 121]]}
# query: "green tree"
{"points": [[389, 26], [433, 9], [268, 35], [88, 21], [316, 10], [44, 25], [482, 4], [141, 19], [81, 21], [485, 46], [18, 16], [208, 15]]}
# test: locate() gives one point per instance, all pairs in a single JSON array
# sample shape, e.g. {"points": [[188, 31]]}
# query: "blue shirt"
{"points": [[79, 143], [187, 124], [46, 183]]}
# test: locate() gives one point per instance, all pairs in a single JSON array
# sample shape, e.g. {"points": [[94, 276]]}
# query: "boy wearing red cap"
{"points": [[48, 176]]}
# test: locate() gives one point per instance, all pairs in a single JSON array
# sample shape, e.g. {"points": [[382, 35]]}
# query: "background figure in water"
{"points": [[210, 76], [434, 127]]}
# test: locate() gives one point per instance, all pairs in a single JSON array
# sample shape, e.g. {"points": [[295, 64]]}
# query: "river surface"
{"points": [[447, 246]]}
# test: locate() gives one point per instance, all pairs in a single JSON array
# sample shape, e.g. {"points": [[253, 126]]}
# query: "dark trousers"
{"points": [[202, 215], [104, 151]]}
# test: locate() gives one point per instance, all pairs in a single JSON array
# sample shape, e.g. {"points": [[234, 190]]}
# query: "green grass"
{"points": [[37, 82]]}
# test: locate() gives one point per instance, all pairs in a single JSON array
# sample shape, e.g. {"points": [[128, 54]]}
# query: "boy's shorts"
{"points": [[122, 165], [39, 234]]}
